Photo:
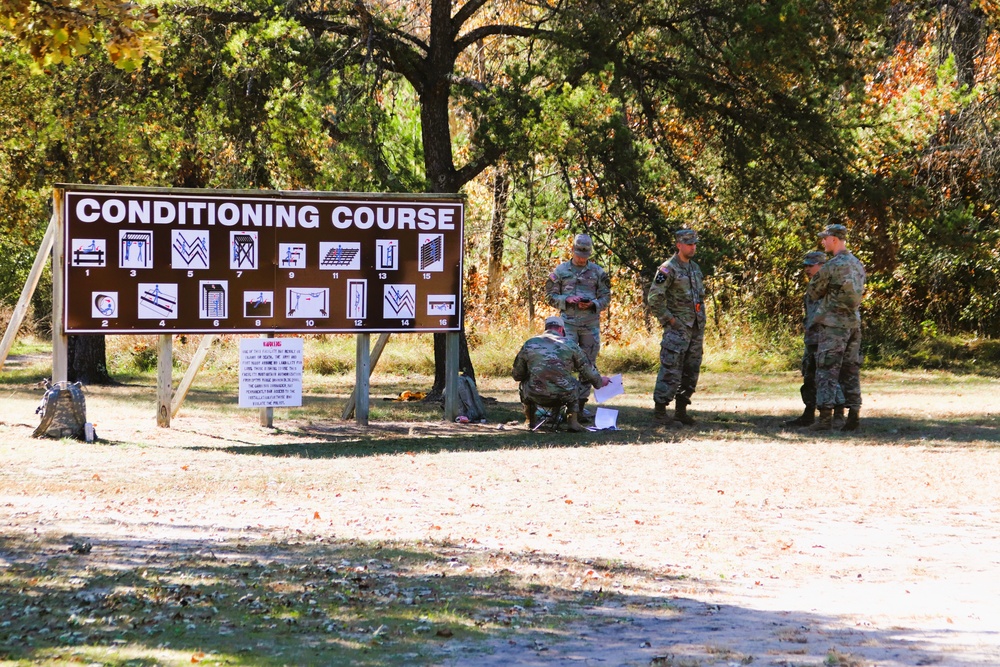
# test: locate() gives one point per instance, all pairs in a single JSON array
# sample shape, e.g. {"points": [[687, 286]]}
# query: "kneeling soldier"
{"points": [[547, 368]]}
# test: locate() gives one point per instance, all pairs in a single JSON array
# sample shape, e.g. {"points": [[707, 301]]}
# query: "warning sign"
{"points": [[270, 372]]}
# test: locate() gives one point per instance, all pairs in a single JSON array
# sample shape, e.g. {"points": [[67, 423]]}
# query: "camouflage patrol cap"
{"points": [[583, 245], [839, 231], [686, 236], [815, 257], [554, 321]]}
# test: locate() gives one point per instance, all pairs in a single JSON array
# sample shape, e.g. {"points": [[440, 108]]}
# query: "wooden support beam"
{"points": [[196, 363], [21, 309], [362, 372], [60, 342], [451, 401], [164, 379], [267, 414], [376, 353]]}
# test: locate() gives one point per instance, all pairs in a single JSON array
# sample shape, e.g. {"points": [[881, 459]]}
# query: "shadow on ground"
{"points": [[245, 602], [332, 438]]}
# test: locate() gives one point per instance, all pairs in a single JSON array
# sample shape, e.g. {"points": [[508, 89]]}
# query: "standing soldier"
{"points": [[547, 367], [813, 262], [677, 300], [837, 288], [580, 290]]}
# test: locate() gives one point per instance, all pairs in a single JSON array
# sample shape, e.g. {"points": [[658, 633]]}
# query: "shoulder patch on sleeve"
{"points": [[552, 277], [661, 277]]}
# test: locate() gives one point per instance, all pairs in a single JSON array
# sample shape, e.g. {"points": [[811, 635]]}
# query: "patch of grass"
{"points": [[493, 352], [257, 603], [835, 658], [954, 353], [639, 355]]}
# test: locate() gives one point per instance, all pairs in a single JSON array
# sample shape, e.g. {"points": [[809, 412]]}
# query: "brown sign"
{"points": [[140, 260]]}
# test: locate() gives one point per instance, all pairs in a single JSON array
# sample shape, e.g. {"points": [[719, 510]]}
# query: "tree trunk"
{"points": [[434, 90], [88, 360], [501, 198]]}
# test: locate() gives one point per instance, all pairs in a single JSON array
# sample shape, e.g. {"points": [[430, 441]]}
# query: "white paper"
{"points": [[605, 418], [614, 388]]}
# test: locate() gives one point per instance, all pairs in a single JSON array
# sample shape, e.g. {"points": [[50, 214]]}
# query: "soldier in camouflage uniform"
{"points": [[547, 366], [838, 288], [677, 300], [580, 290], [813, 262]]}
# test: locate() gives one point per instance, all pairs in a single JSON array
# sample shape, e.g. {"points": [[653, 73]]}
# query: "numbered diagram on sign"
{"points": [[188, 249], [258, 304], [339, 256], [243, 250], [291, 255], [400, 302], [89, 252], [431, 252], [386, 255], [135, 250], [307, 302], [157, 301], [213, 299], [104, 304], [357, 299], [441, 304]]}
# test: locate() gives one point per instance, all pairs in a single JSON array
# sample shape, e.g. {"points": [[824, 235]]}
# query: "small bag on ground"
{"points": [[64, 412]]}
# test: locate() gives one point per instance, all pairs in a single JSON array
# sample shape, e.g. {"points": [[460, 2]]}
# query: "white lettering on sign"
{"points": [[393, 216], [197, 213]]}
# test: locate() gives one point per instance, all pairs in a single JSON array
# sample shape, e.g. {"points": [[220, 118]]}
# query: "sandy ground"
{"points": [[747, 543]]}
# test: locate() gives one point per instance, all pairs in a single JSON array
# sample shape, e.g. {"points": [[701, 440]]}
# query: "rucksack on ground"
{"points": [[470, 402], [64, 412]]}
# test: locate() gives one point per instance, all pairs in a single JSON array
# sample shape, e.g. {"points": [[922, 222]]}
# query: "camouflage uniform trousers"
{"points": [[808, 388], [555, 399], [680, 363], [585, 331], [838, 366]]}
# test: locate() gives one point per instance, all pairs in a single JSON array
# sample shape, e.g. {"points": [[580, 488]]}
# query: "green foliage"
{"points": [[755, 123], [56, 33]]}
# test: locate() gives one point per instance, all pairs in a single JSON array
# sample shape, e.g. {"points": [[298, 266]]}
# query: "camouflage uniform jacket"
{"points": [[809, 320], [678, 291], [589, 282], [837, 289], [547, 364]]}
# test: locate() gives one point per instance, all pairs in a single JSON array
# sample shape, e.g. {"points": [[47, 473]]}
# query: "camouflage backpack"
{"points": [[63, 410], [470, 402]]}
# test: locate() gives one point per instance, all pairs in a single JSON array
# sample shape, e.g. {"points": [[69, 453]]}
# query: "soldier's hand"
{"points": [[584, 304], [573, 299], [605, 381]]}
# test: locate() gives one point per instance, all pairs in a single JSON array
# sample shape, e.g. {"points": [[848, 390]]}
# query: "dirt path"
{"points": [[732, 543]]}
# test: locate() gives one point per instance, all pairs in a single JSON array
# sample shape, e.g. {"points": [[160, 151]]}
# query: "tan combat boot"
{"points": [[680, 412], [808, 417], [838, 416], [852, 420], [529, 413], [573, 423], [660, 415], [825, 421]]}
